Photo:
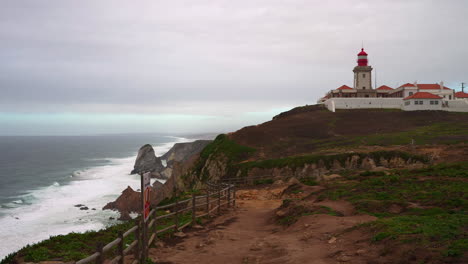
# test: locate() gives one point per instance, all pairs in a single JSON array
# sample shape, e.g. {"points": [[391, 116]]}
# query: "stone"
{"points": [[84, 208], [331, 177], [180, 234], [79, 205], [368, 164], [147, 161], [183, 151], [332, 240], [281, 213]]}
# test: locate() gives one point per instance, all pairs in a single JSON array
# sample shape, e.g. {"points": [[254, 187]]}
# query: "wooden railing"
{"points": [[218, 194]]}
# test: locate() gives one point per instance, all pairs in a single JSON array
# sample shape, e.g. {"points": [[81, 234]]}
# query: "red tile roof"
{"points": [[384, 87], [407, 84], [461, 95], [431, 86], [425, 86], [344, 87], [423, 95]]}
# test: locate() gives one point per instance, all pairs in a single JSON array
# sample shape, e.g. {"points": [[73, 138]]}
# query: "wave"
{"points": [[50, 211]]}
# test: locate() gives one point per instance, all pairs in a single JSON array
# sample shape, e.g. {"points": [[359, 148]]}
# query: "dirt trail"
{"points": [[249, 234]]}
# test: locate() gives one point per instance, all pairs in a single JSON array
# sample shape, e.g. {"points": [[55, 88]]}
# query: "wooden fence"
{"points": [[145, 233]]}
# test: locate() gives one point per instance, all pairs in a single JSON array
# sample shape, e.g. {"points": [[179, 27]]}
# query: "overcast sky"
{"points": [[84, 67]]}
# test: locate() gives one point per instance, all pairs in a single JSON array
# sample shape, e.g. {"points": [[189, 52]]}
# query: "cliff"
{"points": [[180, 152]]}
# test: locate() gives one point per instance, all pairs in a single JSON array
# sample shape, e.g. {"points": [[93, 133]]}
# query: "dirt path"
{"points": [[248, 235]]}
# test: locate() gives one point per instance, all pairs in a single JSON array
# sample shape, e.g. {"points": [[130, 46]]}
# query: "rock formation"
{"points": [[183, 151], [147, 161]]}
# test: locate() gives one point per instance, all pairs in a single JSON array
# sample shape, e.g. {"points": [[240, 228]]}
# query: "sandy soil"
{"points": [[248, 234]]}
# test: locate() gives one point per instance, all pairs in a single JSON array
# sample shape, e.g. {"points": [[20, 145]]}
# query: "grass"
{"points": [[439, 219], [263, 181], [309, 181], [437, 133]]}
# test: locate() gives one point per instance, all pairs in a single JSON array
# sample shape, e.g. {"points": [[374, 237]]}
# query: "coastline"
{"points": [[54, 210]]}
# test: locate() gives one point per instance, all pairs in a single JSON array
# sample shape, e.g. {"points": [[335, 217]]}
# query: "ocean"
{"points": [[43, 177]]}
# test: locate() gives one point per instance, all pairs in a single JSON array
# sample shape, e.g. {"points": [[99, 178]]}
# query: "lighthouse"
{"points": [[363, 76]]}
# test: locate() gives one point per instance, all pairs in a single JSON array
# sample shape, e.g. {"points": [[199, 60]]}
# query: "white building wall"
{"points": [[363, 103], [426, 105], [457, 106], [407, 91]]}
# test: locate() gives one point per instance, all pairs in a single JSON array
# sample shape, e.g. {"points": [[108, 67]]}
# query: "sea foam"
{"points": [[50, 211]]}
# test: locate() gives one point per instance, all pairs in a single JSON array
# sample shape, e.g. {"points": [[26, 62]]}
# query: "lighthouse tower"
{"points": [[363, 76]]}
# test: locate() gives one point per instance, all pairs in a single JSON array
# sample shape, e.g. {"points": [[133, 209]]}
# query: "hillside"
{"points": [[311, 129]]}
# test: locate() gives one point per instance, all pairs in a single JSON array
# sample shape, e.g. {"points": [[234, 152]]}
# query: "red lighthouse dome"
{"points": [[362, 58]]}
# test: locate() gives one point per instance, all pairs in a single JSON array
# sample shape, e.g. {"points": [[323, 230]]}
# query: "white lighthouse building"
{"points": [[408, 97]]}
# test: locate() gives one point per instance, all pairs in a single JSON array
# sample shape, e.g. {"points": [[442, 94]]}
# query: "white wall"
{"points": [[457, 106], [363, 103], [425, 106]]}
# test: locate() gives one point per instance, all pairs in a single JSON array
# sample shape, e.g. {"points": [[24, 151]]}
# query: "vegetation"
{"points": [[436, 133], [221, 146], [263, 181], [427, 207]]}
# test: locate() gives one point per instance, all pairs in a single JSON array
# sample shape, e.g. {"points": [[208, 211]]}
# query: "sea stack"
{"points": [[147, 161]]}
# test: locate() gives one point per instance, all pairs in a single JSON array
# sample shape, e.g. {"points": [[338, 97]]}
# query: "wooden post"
{"points": [[234, 197], [176, 214], [142, 222], [100, 258], [208, 201], [144, 250], [120, 248], [219, 200], [229, 196], [155, 230], [194, 217], [136, 252]]}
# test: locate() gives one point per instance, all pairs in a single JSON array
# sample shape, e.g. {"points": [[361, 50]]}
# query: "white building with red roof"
{"points": [[408, 97], [422, 101]]}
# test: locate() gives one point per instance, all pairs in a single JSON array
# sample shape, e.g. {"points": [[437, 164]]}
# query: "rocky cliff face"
{"points": [[217, 167], [320, 170], [130, 200], [147, 161], [181, 152]]}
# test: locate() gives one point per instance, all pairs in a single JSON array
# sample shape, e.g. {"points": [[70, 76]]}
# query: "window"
{"points": [[407, 103], [363, 87], [416, 102], [363, 75], [421, 102], [450, 97], [432, 102], [436, 102], [410, 93]]}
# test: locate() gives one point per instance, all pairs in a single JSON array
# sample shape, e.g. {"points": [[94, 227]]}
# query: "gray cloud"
{"points": [[61, 54]]}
